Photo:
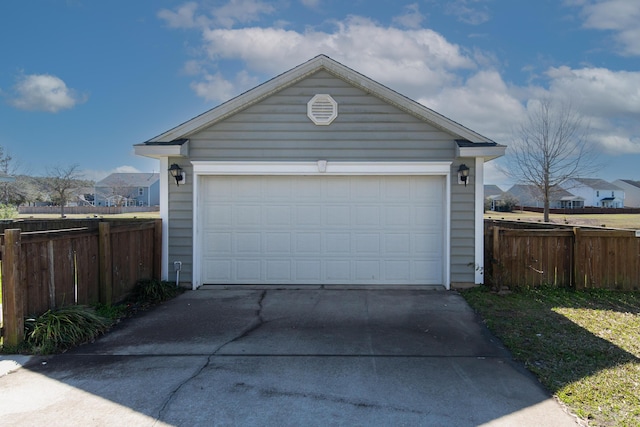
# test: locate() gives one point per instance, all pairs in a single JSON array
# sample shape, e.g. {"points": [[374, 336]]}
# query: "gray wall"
{"points": [[366, 129]]}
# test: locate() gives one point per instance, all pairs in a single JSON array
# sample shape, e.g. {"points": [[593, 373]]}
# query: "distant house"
{"points": [[530, 195], [596, 192], [631, 192], [128, 189], [493, 195]]}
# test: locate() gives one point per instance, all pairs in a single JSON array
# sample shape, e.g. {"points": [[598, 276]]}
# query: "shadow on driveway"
{"points": [[286, 357]]}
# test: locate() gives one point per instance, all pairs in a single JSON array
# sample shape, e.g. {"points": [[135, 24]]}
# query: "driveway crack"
{"points": [[255, 324]]}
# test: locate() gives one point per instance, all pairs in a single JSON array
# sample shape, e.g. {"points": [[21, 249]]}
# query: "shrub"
{"points": [[61, 328], [153, 291], [8, 211]]}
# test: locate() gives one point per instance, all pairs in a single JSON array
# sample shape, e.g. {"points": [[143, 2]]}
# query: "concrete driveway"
{"points": [[312, 357]]}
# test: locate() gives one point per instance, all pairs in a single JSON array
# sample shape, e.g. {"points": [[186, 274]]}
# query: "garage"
{"points": [[322, 176], [319, 229]]}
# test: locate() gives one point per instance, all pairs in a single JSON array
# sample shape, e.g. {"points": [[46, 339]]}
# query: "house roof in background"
{"points": [[129, 180], [631, 182], [597, 184], [521, 191], [492, 190]]}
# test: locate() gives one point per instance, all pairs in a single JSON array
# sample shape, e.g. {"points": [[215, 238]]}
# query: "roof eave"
{"points": [[488, 152], [160, 150]]}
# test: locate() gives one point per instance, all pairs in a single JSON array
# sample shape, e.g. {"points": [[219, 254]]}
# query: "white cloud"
{"points": [[472, 12], [44, 92], [226, 16], [241, 11], [183, 17], [483, 103], [403, 59], [214, 88], [310, 3], [619, 16], [412, 18]]}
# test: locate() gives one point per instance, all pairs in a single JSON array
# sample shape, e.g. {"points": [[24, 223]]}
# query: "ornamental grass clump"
{"points": [[61, 328], [153, 291]]}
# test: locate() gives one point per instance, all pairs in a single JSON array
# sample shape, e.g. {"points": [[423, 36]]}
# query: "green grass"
{"points": [[583, 346]]}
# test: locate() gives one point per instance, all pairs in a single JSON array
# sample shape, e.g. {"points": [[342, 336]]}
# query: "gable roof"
{"points": [[525, 192], [162, 143], [597, 184], [492, 190], [129, 180], [630, 182]]}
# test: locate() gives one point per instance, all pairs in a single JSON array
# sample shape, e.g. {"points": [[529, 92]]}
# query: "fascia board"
{"points": [[489, 153], [159, 151]]}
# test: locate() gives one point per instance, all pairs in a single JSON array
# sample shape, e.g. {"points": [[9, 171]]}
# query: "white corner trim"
{"points": [[164, 216], [479, 221], [311, 168]]}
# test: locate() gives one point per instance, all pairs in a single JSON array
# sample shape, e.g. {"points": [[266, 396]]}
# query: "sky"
{"points": [[81, 81]]}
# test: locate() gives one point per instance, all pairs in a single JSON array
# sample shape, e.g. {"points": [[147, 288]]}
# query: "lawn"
{"points": [[583, 346]]}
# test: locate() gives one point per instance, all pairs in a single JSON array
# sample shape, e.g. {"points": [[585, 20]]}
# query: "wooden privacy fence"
{"points": [[575, 257], [85, 265]]}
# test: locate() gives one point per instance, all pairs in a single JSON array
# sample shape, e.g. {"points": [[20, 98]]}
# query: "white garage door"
{"points": [[322, 229]]}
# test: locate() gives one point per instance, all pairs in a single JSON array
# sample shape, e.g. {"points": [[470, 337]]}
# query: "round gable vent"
{"points": [[322, 109]]}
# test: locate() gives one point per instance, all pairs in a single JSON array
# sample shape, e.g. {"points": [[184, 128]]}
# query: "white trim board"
{"points": [[211, 168]]}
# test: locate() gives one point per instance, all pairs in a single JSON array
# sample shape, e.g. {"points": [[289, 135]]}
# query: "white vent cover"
{"points": [[322, 109]]}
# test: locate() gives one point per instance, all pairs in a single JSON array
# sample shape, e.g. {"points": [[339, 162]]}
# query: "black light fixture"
{"points": [[176, 171], [463, 173]]}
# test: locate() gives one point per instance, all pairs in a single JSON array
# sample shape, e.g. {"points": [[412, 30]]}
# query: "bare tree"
{"points": [[61, 181], [11, 192], [550, 147]]}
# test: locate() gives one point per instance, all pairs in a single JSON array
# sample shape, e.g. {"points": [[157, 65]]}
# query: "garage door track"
{"points": [[267, 357]]}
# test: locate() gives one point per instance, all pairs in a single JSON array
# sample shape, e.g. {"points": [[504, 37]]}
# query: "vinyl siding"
{"points": [[366, 129]]}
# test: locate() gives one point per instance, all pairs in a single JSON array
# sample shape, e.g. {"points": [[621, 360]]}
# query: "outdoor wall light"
{"points": [[176, 171], [463, 174]]}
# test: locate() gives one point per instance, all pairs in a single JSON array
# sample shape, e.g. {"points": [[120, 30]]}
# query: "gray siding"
{"points": [[366, 129]]}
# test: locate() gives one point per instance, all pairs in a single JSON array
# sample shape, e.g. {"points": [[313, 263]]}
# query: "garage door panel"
{"points": [[397, 216], [397, 244], [367, 243], [248, 270], [338, 243], [278, 243], [367, 270], [308, 243], [278, 215], [218, 243], [309, 215], [309, 270], [248, 215], [398, 270], [367, 216], [339, 215], [330, 229], [278, 270], [248, 243]]}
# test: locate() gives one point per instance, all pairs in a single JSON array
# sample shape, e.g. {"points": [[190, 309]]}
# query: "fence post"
{"points": [[574, 257], [12, 290], [105, 263], [495, 254], [157, 250]]}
